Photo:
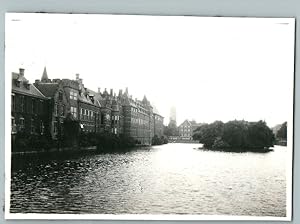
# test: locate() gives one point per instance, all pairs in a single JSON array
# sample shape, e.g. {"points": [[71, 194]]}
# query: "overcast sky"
{"points": [[208, 68]]}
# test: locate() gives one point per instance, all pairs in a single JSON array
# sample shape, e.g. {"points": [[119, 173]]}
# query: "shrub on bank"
{"points": [[159, 141], [111, 142], [30, 142]]}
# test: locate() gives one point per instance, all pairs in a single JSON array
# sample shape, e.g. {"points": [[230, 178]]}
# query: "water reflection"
{"points": [[169, 179]]}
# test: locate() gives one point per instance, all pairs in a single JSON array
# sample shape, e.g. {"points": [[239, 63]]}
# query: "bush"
{"points": [[220, 144], [27, 142], [159, 141], [111, 142]]}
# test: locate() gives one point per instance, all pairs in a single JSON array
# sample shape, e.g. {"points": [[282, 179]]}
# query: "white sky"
{"points": [[209, 68]]}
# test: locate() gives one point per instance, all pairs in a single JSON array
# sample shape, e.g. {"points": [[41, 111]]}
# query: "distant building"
{"points": [[187, 128]]}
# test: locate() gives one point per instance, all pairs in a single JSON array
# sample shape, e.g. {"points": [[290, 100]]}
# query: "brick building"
{"points": [[158, 121], [57, 104], [29, 107], [88, 108], [59, 100], [138, 119]]}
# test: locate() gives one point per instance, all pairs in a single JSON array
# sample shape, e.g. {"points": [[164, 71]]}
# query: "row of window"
{"points": [[21, 125], [139, 121], [115, 117], [86, 114], [28, 105], [138, 110], [185, 135], [185, 128]]}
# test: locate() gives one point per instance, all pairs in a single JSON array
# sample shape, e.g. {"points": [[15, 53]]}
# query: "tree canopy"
{"points": [[235, 136]]}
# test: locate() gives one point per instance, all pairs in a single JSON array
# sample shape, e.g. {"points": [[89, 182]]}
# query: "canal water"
{"points": [[168, 179]]}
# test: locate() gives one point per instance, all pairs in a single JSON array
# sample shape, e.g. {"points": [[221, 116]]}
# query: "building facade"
{"points": [[138, 119], [187, 128], [29, 108], [57, 104], [59, 100]]}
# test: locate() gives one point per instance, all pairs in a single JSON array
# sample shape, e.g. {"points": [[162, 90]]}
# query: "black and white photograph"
{"points": [[148, 117]]}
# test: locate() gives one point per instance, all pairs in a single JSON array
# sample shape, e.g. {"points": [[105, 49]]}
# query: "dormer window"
{"points": [[18, 82], [92, 98], [26, 84]]}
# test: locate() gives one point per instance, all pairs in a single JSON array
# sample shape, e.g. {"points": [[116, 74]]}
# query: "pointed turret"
{"points": [[45, 76], [145, 101]]}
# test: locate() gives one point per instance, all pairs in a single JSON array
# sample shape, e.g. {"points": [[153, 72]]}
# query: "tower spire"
{"points": [[45, 75]]}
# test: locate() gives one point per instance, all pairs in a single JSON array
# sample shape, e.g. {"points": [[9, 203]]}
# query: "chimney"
{"points": [[21, 71], [111, 92], [126, 91], [37, 81], [120, 92], [77, 77], [99, 90], [105, 91]]}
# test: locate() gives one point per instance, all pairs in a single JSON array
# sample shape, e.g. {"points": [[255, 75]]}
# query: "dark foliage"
{"points": [[26, 142], [171, 130], [111, 142], [235, 136], [159, 141]]}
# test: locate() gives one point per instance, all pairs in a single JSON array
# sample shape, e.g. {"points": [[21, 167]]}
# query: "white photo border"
{"points": [[34, 216]]}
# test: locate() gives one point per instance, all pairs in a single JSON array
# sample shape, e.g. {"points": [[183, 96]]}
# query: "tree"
{"points": [[207, 133], [260, 135], [171, 130], [235, 136]]}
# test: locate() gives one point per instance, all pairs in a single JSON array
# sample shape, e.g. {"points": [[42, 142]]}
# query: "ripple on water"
{"points": [[169, 179]]}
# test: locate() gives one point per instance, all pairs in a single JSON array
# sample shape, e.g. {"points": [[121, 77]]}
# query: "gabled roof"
{"points": [[31, 91], [185, 122], [97, 97], [48, 89]]}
